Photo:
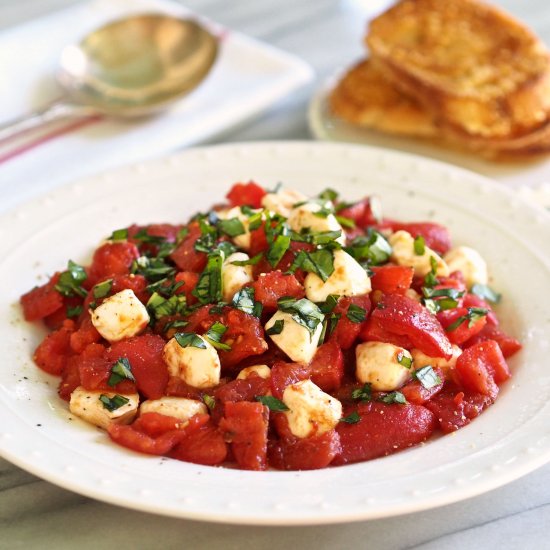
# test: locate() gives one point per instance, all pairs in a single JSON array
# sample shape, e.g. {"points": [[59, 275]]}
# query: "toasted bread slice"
{"points": [[365, 97], [474, 68]]}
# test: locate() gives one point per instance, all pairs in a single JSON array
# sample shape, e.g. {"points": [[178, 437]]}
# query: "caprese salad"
{"points": [[275, 331]]}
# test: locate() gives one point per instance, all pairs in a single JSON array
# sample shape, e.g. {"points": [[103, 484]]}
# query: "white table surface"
{"points": [[36, 514]]}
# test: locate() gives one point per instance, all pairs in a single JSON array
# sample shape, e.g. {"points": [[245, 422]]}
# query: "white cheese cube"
{"points": [[177, 407], [86, 405], [470, 263], [312, 411], [348, 279], [263, 371], [422, 360], [378, 364], [243, 240], [234, 277], [120, 316], [295, 339], [283, 201], [305, 217], [198, 367], [403, 253]]}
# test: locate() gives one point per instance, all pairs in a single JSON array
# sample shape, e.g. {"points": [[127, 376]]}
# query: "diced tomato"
{"points": [[373, 332], [244, 333], [70, 378], [155, 424], [471, 300], [42, 301], [454, 409], [465, 330], [285, 374], [145, 356], [392, 279], [55, 320], [246, 194], [133, 438], [185, 256], [112, 259], [137, 283], [269, 287], [286, 261], [416, 393], [52, 353], [327, 367], [258, 241], [474, 374], [85, 335], [347, 331], [310, 453], [404, 316], [506, 343], [245, 389], [360, 212], [244, 425], [189, 280], [489, 354], [383, 430], [204, 446], [435, 236], [176, 387]]}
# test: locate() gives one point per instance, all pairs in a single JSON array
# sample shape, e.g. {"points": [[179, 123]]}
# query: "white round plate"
{"points": [[508, 440]]}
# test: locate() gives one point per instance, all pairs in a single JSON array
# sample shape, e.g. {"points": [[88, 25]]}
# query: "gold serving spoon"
{"points": [[131, 67]]}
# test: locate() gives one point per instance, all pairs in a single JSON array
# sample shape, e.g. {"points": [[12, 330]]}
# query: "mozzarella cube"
{"points": [[422, 360], [234, 277], [86, 405], [311, 410], [177, 407], [403, 253], [470, 263], [120, 316], [242, 241], [263, 371], [295, 339], [305, 217], [348, 279], [283, 201], [378, 364], [197, 367]]}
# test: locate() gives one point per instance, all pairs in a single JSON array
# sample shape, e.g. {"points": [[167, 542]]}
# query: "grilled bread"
{"points": [[365, 97], [479, 73]]}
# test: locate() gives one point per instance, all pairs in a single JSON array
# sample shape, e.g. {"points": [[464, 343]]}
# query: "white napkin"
{"points": [[248, 77]]}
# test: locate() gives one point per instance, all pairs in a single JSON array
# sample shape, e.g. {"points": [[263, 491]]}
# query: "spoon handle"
{"points": [[55, 111]]}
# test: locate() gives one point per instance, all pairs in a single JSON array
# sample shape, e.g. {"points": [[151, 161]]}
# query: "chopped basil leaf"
{"points": [[251, 261], [432, 306], [333, 322], [404, 361], [255, 220], [329, 304], [182, 233], [209, 401], [362, 394], [321, 238], [277, 328], [70, 281], [119, 235], [419, 245], [244, 300], [274, 404], [373, 248], [486, 293], [153, 269], [189, 339], [217, 309], [73, 312], [345, 222], [226, 247], [144, 237], [431, 280], [215, 334], [102, 289], [159, 306], [393, 397], [113, 403], [474, 314], [427, 377], [453, 293], [277, 249], [328, 195], [320, 262], [352, 418], [178, 323], [356, 314], [232, 227], [121, 370], [303, 311], [209, 286]]}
